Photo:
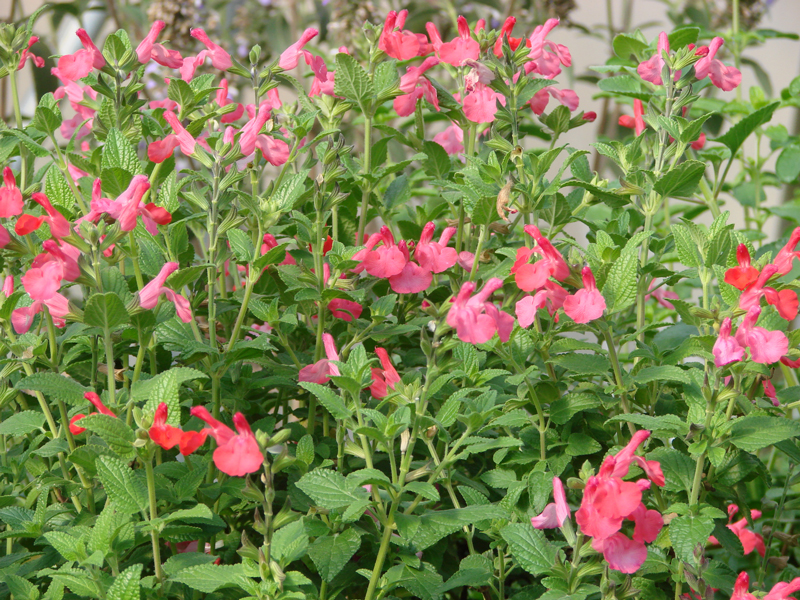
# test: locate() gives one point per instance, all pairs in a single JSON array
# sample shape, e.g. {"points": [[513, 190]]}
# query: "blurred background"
{"points": [[770, 61]]}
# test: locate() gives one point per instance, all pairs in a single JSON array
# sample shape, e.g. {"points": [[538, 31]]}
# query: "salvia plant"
{"points": [[381, 333]]}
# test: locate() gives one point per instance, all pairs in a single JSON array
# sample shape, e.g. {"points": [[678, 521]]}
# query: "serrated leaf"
{"points": [[209, 578], [332, 552], [621, 283], [753, 433], [685, 246], [662, 373], [687, 533], [434, 526], [424, 489], [290, 543], [105, 311], [118, 152], [529, 547], [22, 423], [582, 364], [670, 423], [682, 180], [126, 584], [328, 489], [124, 489], [54, 386], [330, 400], [352, 82], [736, 135], [115, 432]]}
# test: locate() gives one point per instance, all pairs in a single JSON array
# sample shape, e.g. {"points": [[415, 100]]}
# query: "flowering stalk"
{"points": [[154, 536]]}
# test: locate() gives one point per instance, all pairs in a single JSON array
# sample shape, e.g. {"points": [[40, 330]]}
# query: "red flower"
{"points": [[400, 44], [476, 320], [237, 454], [95, 400], [383, 379], [636, 122], [320, 371], [587, 304], [745, 275], [531, 277], [160, 432]]}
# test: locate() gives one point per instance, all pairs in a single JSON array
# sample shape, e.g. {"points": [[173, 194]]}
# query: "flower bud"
{"points": [[589, 116]]}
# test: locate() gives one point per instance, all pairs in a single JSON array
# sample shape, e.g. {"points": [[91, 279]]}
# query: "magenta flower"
{"points": [[128, 207], [291, 56], [636, 122], [385, 378], [725, 78], [556, 513], [586, 304], [726, 349], [322, 370], [766, 347], [415, 87], [780, 591], [249, 132], [400, 44], [149, 294], [386, 261], [551, 297], [650, 70], [475, 319], [10, 196], [42, 285], [531, 277], [160, 150]]}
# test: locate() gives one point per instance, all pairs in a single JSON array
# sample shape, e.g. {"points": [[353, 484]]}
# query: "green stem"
{"points": [[12, 77], [137, 270], [248, 291], [462, 214], [109, 345], [612, 353], [154, 537], [362, 219], [478, 250]]}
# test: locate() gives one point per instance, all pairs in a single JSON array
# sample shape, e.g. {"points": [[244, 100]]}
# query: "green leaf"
{"points": [[438, 163], [58, 191], [581, 444], [126, 584], [727, 539], [209, 578], [687, 533], [756, 432], [22, 423], [54, 386], [328, 489], [352, 82], [177, 563], [305, 449], [290, 543], [677, 467], [118, 152], [291, 189], [529, 547], [670, 423], [116, 433], [683, 36], [662, 373], [424, 583], [65, 544], [165, 387], [685, 246], [621, 283], [737, 134], [105, 311], [624, 85], [788, 165], [583, 364], [434, 526], [331, 401], [626, 45], [424, 489], [474, 571], [563, 409], [241, 245], [331, 553], [682, 180], [124, 489]]}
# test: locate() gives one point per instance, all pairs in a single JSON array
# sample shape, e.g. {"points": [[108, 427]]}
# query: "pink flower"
{"points": [[223, 100], [460, 49], [650, 70], [451, 139], [385, 378], [661, 295], [237, 454], [505, 32], [10, 196], [275, 152], [540, 99], [555, 513], [386, 261], [321, 371], [547, 64], [476, 320], [149, 294], [148, 49], [251, 129], [413, 278], [269, 243], [435, 256], [745, 275], [415, 87], [59, 226], [531, 277], [725, 78], [161, 150], [480, 105], [400, 44], [8, 286], [587, 304], [780, 591], [765, 346], [636, 122], [787, 254], [63, 253], [220, 59], [608, 501], [551, 297], [769, 390], [42, 285], [750, 539], [80, 64], [28, 55], [290, 57], [785, 301], [726, 349], [323, 79], [160, 432], [129, 206]]}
